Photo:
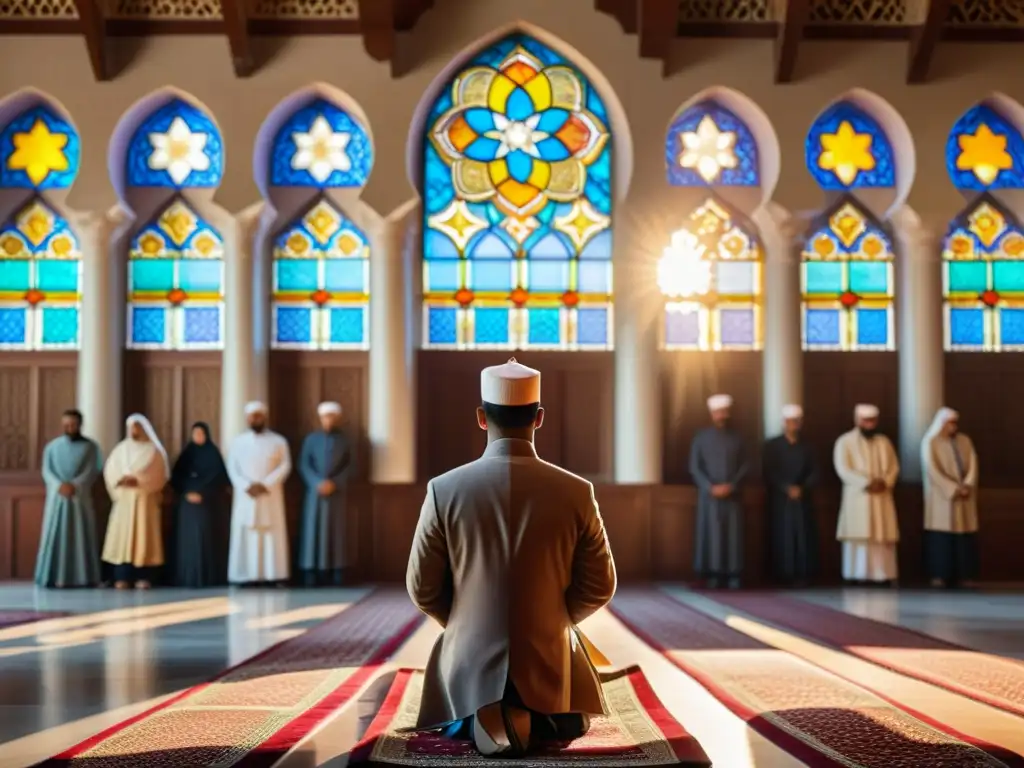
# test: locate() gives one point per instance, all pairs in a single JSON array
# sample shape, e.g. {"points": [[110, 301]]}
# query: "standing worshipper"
{"points": [[866, 463], [68, 549], [949, 467], [718, 464], [259, 462], [199, 478], [326, 463], [135, 476], [789, 476]]}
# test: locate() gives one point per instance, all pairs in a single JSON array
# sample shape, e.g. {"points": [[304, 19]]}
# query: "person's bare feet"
{"points": [[120, 585], [142, 584]]}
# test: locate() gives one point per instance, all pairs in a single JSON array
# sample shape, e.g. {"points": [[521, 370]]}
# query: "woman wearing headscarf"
{"points": [[199, 479], [135, 476]]}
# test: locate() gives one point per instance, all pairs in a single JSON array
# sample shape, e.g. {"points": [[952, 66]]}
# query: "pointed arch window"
{"points": [[846, 148], [176, 146]]}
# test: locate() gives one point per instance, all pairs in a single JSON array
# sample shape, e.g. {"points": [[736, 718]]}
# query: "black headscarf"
{"points": [[199, 467]]}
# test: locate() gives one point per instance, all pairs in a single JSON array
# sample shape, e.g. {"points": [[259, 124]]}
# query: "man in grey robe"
{"points": [[718, 465], [789, 476], [326, 464], [69, 554]]}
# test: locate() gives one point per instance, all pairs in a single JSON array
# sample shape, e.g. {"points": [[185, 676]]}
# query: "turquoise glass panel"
{"points": [[293, 325], [60, 325], [823, 278], [345, 276], [1008, 276], [594, 277], [872, 327], [442, 276], [12, 325], [442, 326], [347, 325], [1011, 327], [490, 325], [867, 277], [735, 278], [491, 275], [149, 325], [297, 274], [545, 326], [57, 275], [967, 276], [15, 275], [549, 276], [151, 275], [592, 326], [966, 327], [200, 276], [822, 327]]}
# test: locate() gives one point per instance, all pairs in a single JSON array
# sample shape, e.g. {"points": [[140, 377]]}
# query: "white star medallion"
{"points": [[178, 151], [708, 149], [321, 151]]}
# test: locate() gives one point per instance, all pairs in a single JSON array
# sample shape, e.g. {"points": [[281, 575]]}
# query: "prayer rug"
{"points": [[252, 714], [638, 732], [14, 618], [992, 680], [817, 717]]}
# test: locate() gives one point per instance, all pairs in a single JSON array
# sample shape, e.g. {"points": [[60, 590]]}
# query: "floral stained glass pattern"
{"points": [[517, 188], [39, 149], [321, 146], [728, 314], [176, 146], [176, 283], [708, 145], [321, 283], [985, 151], [40, 281], [847, 277], [983, 281], [846, 148]]}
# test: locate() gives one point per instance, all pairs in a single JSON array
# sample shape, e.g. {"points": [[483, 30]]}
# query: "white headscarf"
{"points": [[942, 417], [142, 421]]}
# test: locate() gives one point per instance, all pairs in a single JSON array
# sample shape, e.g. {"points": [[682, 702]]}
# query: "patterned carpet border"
{"points": [[13, 618], [982, 677], [657, 738], [270, 701], [817, 717]]}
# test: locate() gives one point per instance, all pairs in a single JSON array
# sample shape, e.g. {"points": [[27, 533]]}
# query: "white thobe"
{"points": [[259, 530]]}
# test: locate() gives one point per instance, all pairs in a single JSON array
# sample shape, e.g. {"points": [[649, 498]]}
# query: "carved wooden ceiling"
{"points": [[924, 24]]}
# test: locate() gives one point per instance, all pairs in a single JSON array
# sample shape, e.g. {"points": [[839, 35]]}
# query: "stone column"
{"points": [[394, 291], [919, 336], [238, 382], [101, 329]]}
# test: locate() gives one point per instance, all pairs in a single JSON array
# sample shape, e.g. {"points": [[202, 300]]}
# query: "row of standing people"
{"points": [[136, 474], [868, 531]]}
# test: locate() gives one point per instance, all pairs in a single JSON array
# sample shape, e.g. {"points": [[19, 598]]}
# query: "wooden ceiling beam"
{"points": [[93, 27], [236, 28], [788, 38], [623, 11], [924, 39], [378, 21], [657, 23]]}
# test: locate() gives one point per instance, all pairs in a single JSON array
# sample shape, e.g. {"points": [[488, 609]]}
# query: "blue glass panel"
{"points": [[12, 325], [491, 276], [594, 277], [747, 171], [598, 247], [348, 325], [592, 326], [57, 275], [828, 123], [442, 325], [291, 168], [490, 325], [872, 327], [60, 325], [293, 325], [202, 325], [345, 275], [552, 246], [823, 278], [200, 276], [736, 327], [549, 276], [15, 275], [821, 327], [442, 276], [969, 276], [966, 327], [151, 274], [869, 277], [966, 127], [490, 245], [40, 120], [682, 329], [735, 278], [438, 246], [149, 325], [141, 147], [1008, 276], [545, 326], [1011, 326], [297, 274]]}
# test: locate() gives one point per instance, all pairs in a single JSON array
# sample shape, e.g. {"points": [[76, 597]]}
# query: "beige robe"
{"points": [[510, 554], [134, 533], [866, 516], [942, 511]]}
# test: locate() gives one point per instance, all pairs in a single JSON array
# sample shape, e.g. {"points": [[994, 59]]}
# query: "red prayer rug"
{"points": [[638, 732], [817, 717], [983, 677], [14, 618], [251, 715]]}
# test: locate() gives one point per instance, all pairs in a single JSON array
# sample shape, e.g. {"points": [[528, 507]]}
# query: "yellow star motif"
{"points": [[38, 152], [581, 223], [984, 154], [458, 222], [846, 153]]}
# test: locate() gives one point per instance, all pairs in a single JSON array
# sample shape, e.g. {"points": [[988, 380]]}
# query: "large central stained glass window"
{"points": [[517, 206]]}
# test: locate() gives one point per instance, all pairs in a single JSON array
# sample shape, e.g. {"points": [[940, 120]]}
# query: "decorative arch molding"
{"points": [[985, 149]]}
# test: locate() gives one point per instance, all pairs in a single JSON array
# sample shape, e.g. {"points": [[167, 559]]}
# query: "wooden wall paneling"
{"points": [[396, 510], [672, 519], [626, 510], [57, 393], [200, 401], [16, 440]]}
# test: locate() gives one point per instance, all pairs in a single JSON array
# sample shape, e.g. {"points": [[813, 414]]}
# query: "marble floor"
{"points": [[121, 652]]}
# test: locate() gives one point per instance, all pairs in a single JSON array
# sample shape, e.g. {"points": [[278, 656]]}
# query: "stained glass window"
{"points": [[847, 280], [39, 149], [40, 280], [846, 148], [321, 283], [985, 151], [176, 146], [708, 145], [176, 283], [983, 280], [320, 145], [517, 195], [728, 314]]}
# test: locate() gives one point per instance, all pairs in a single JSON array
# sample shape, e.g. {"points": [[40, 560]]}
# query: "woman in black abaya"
{"points": [[200, 480]]}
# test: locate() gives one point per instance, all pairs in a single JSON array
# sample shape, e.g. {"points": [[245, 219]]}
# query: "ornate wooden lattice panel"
{"points": [[38, 9], [735, 11], [984, 13], [15, 418], [306, 9], [190, 10], [858, 12]]}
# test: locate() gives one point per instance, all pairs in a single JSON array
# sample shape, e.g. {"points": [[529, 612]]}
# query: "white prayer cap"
{"points": [[792, 411], [510, 384], [255, 407], [865, 411], [327, 408], [719, 402], [946, 415]]}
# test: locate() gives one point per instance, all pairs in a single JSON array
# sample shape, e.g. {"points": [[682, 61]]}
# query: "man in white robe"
{"points": [[866, 463], [259, 462]]}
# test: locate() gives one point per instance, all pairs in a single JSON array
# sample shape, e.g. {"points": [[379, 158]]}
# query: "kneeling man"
{"points": [[510, 554]]}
